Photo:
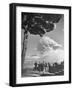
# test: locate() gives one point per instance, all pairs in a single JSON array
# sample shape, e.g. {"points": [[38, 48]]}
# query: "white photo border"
{"points": [[19, 79]]}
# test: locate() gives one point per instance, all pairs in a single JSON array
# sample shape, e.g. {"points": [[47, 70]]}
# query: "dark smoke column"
{"points": [[37, 24]]}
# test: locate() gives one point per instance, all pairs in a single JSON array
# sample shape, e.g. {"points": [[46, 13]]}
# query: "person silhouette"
{"points": [[35, 65]]}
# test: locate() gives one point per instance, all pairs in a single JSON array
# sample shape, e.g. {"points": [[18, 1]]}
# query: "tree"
{"points": [[37, 24]]}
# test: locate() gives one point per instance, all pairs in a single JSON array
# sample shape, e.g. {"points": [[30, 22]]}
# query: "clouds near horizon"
{"points": [[48, 51]]}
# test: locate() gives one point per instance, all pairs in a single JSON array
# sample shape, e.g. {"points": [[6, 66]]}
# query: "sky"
{"points": [[56, 35]]}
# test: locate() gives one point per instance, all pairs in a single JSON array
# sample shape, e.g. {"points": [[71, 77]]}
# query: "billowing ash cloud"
{"points": [[50, 51], [47, 43]]}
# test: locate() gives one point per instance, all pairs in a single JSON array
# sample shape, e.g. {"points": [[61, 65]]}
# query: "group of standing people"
{"points": [[46, 67], [41, 66]]}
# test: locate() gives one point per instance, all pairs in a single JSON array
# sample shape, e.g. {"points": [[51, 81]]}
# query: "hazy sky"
{"points": [[57, 35]]}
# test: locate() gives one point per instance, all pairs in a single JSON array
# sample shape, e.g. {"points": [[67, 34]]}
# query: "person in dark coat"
{"points": [[35, 65]]}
